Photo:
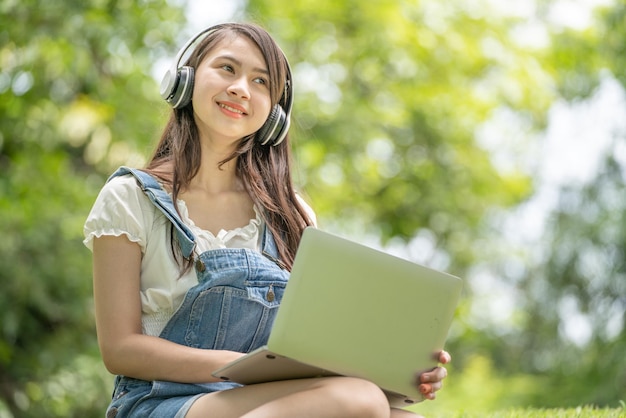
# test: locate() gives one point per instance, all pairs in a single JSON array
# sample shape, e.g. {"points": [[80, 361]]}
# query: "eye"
{"points": [[228, 67], [261, 80]]}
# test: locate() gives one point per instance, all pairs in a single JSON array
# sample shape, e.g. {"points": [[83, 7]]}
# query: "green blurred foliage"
{"points": [[76, 97], [480, 389], [581, 274], [390, 96], [577, 270]]}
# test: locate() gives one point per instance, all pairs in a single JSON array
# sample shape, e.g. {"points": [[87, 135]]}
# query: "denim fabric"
{"points": [[232, 307], [159, 197]]}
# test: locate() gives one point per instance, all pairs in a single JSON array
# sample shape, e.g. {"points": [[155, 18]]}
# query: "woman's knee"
{"points": [[357, 397]]}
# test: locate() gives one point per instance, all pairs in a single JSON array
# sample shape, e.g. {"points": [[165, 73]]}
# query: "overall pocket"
{"points": [[230, 318], [234, 305]]}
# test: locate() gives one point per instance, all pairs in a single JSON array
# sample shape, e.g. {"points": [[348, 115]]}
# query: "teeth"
{"points": [[232, 109]]}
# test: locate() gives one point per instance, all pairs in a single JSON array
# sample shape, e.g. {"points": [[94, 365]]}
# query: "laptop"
{"points": [[351, 310]]}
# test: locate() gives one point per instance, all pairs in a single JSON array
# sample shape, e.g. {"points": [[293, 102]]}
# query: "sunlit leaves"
{"points": [[394, 93], [397, 103], [76, 98]]}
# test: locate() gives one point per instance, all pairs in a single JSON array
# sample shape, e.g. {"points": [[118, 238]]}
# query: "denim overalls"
{"points": [[231, 308]]}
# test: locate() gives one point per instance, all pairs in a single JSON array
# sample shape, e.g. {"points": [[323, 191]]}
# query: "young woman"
{"points": [[178, 245]]}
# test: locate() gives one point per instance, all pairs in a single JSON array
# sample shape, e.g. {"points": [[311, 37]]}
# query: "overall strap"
{"points": [[269, 248], [159, 197]]}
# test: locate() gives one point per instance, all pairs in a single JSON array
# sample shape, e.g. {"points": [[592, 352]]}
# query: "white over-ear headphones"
{"points": [[177, 89]]}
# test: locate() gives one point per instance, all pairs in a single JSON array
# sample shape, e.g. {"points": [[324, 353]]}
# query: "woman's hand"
{"points": [[430, 382]]}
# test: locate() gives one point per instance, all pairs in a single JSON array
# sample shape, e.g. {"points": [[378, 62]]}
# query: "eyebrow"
{"points": [[239, 63]]}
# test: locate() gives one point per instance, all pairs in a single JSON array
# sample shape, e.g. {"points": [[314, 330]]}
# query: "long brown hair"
{"points": [[265, 170]]}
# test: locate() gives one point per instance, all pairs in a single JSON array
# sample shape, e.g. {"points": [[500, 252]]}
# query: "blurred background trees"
{"points": [[419, 127], [76, 97]]}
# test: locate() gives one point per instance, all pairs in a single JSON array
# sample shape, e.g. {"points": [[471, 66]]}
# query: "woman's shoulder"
{"points": [[122, 181], [121, 208], [122, 193], [121, 186]]}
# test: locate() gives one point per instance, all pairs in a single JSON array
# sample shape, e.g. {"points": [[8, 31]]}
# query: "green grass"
{"points": [[581, 412], [480, 392]]}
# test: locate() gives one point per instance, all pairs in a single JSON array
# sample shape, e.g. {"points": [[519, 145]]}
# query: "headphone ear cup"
{"points": [[170, 78], [273, 128], [281, 128], [183, 88]]}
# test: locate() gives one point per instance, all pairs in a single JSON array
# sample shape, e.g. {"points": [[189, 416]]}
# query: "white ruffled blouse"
{"points": [[122, 208]]}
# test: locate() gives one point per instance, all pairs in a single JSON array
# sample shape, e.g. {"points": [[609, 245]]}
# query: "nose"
{"points": [[239, 88]]}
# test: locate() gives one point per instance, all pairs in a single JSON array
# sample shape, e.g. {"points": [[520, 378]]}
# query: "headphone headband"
{"points": [[170, 79], [177, 88]]}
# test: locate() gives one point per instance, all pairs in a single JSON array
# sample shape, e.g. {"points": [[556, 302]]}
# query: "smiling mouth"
{"points": [[231, 109]]}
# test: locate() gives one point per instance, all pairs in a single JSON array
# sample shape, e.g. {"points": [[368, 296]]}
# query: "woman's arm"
{"points": [[125, 349]]}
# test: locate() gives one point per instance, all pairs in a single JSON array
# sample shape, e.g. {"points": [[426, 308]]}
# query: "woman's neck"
{"points": [[214, 177]]}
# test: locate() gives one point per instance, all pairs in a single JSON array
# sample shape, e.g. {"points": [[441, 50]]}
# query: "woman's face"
{"points": [[231, 95]]}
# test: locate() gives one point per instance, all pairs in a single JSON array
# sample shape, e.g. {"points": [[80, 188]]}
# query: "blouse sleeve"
{"points": [[121, 208]]}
